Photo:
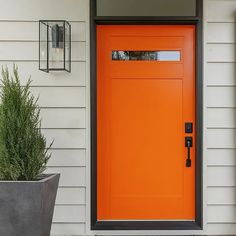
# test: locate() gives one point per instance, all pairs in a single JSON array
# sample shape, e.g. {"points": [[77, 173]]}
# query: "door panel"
{"points": [[142, 107]]}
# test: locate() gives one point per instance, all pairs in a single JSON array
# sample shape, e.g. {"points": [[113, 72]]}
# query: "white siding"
{"points": [[220, 115], [62, 97], [64, 100]]}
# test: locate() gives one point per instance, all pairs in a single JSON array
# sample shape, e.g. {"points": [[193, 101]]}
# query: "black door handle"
{"points": [[188, 145]]}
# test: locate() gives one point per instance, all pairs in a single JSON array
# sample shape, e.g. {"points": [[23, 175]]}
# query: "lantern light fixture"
{"points": [[54, 45]]}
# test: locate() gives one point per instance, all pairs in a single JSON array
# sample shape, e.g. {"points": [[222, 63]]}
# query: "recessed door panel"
{"points": [[145, 95]]}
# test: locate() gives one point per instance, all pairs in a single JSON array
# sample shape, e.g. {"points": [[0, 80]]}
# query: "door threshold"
{"points": [[146, 225], [179, 220]]}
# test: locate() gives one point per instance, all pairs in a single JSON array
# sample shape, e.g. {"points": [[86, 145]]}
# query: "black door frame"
{"points": [[148, 225]]}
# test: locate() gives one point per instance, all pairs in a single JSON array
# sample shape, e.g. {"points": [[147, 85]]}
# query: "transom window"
{"points": [[146, 7]]}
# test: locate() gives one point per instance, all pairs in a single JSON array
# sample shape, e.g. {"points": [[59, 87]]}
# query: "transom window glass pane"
{"points": [[146, 7], [146, 56]]}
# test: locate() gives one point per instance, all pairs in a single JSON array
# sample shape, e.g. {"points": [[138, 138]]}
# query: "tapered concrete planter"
{"points": [[26, 207]]}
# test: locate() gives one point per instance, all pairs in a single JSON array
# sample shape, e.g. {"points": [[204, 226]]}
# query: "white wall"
{"points": [[64, 99], [220, 115], [63, 96]]}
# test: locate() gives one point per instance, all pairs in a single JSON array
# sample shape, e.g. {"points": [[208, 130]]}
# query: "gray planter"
{"points": [[26, 207]]}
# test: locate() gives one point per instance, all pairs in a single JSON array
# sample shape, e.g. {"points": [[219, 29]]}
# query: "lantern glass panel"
{"points": [[67, 46], [56, 45], [43, 53]]}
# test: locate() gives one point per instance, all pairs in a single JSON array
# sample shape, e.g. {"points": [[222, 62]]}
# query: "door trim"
{"points": [[148, 225]]}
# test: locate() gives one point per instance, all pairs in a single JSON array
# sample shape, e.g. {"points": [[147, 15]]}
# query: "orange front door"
{"points": [[145, 95]]}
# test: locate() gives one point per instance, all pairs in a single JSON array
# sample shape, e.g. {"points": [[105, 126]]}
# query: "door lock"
{"points": [[188, 145], [188, 127]]}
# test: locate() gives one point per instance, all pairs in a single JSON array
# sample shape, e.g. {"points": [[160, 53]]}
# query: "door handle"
{"points": [[188, 145]]}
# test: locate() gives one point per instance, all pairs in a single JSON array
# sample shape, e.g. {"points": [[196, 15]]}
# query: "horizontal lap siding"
{"points": [[63, 118], [224, 74], [220, 102], [28, 51], [63, 79], [221, 157], [65, 138], [70, 176], [221, 117], [74, 157], [62, 97], [33, 10], [64, 229], [13, 31]]}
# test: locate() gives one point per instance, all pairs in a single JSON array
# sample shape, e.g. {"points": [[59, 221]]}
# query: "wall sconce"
{"points": [[54, 45]]}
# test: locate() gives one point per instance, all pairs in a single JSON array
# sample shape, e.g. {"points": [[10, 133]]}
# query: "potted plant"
{"points": [[27, 196]]}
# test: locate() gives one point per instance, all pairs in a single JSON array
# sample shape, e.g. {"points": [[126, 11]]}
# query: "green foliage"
{"points": [[23, 151]]}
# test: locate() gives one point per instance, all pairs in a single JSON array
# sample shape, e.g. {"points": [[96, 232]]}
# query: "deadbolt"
{"points": [[188, 127]]}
